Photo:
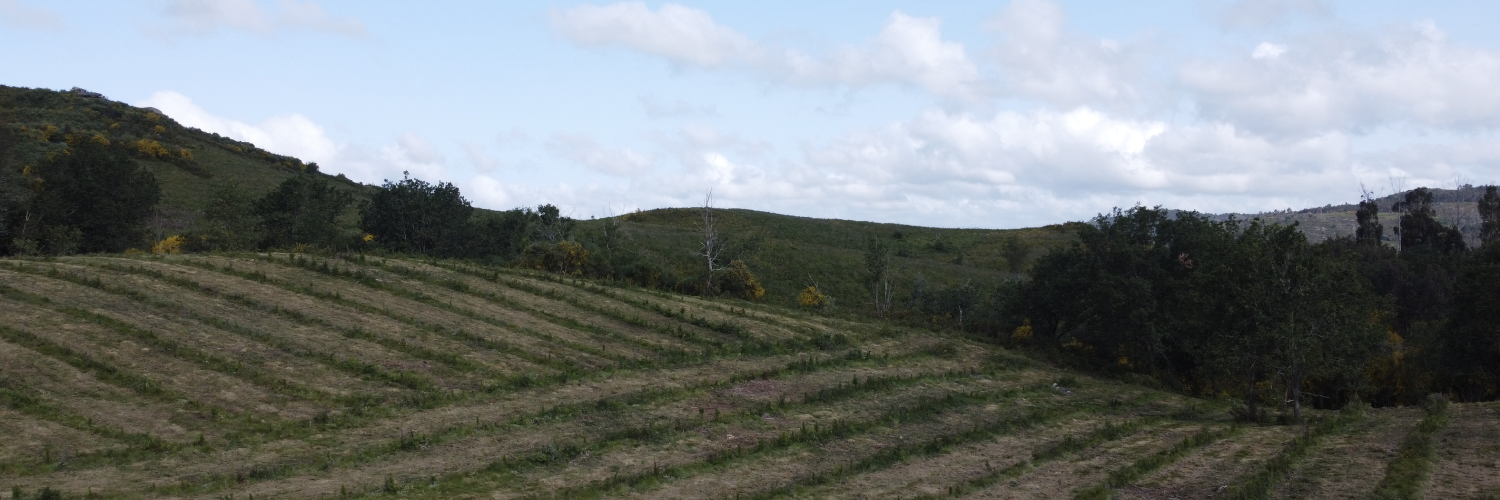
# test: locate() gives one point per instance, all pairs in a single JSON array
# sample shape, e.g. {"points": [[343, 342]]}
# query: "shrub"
{"points": [[812, 298], [171, 245], [737, 281]]}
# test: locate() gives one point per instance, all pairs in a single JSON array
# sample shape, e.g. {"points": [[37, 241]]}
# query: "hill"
{"points": [[289, 376], [188, 163], [1454, 207], [789, 253]]}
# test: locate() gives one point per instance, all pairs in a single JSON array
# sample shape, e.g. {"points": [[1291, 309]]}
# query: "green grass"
{"points": [[1151, 463], [1259, 484], [1408, 473]]}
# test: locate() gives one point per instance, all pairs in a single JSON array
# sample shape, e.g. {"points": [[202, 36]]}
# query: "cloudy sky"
{"points": [[969, 114]]}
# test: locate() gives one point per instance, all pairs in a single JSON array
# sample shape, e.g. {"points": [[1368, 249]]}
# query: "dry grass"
{"points": [[443, 380], [1468, 456], [1213, 469], [1351, 465]]}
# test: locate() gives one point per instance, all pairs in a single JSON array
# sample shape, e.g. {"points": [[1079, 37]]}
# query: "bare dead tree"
{"points": [[712, 244]]}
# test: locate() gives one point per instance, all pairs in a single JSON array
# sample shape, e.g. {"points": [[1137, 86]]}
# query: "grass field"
{"points": [[278, 376]]}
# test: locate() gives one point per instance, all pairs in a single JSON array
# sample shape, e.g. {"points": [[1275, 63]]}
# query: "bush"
{"points": [[737, 281]]}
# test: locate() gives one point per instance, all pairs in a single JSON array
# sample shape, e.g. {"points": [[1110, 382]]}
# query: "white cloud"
{"points": [[14, 13], [1040, 59], [481, 159], [205, 17], [682, 34], [656, 108], [1267, 50], [1352, 81], [410, 154], [907, 51], [298, 136], [587, 152], [290, 134], [514, 137], [1259, 14]]}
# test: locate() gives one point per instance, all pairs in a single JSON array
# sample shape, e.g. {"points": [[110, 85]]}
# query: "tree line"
{"points": [[1254, 310]]}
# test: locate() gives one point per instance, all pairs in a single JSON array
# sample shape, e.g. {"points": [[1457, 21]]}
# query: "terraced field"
{"points": [[277, 376]]}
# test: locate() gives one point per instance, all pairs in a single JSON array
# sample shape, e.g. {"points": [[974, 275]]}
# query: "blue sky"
{"points": [[969, 114]]}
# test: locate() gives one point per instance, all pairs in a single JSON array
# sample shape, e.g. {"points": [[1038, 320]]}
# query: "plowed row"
{"points": [[287, 376]]}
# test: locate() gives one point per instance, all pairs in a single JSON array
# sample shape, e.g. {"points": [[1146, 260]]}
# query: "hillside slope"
{"points": [[789, 253], [38, 122], [225, 376]]}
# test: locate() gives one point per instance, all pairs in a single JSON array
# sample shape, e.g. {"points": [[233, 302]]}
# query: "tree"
{"points": [[414, 216], [302, 209], [1419, 227], [1015, 252], [1489, 215], [712, 246], [92, 198], [1471, 350], [878, 273], [549, 225], [1369, 231], [229, 220]]}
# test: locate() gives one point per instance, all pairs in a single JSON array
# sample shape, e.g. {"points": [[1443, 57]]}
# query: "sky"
{"points": [[996, 114]]}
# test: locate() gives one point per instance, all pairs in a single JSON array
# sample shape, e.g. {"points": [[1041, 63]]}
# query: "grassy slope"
{"points": [[204, 376], [185, 189], [788, 253]]}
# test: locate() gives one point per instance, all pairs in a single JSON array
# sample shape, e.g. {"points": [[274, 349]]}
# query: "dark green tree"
{"points": [[1369, 231], [303, 209], [1419, 228], [1471, 350], [91, 198], [229, 220], [1015, 252], [414, 216], [1489, 215]]}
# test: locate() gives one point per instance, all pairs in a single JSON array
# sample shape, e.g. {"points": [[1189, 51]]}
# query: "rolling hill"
{"points": [[293, 376]]}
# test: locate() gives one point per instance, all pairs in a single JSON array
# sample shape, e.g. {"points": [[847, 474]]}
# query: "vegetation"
{"points": [[288, 333]]}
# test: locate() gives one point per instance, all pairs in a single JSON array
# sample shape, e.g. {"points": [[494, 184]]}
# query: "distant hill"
{"points": [[38, 122], [1454, 207], [789, 253]]}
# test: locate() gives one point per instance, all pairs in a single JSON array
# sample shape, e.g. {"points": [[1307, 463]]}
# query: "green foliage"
{"points": [[89, 198], [1420, 229], [1407, 474], [417, 217], [1471, 347], [1187, 298], [1489, 216], [229, 221], [304, 209]]}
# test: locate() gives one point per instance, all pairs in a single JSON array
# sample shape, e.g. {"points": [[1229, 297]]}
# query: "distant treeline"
{"points": [[1253, 310]]}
